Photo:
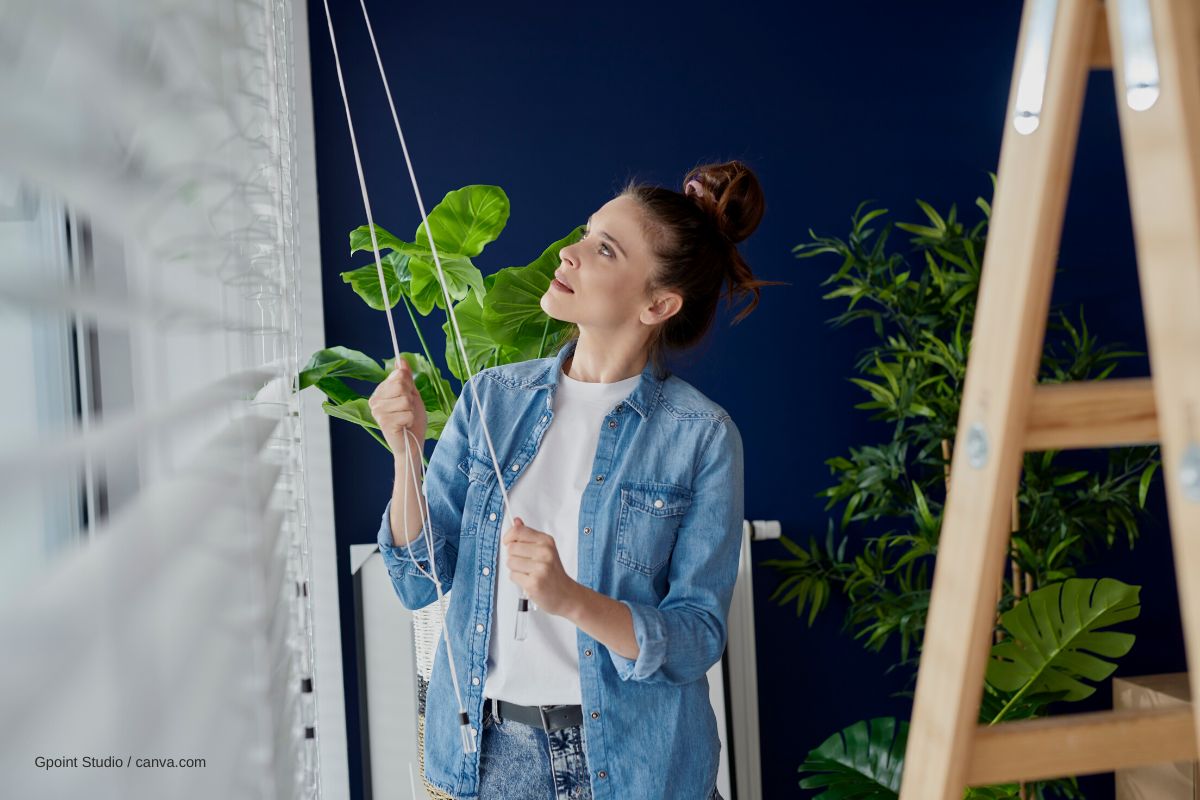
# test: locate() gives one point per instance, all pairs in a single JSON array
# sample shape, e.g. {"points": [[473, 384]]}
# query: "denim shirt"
{"points": [[660, 529]]}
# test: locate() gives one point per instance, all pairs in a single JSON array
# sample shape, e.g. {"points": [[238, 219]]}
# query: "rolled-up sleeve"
{"points": [[684, 635], [445, 490]]}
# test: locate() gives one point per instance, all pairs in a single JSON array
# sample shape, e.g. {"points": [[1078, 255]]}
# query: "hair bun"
{"points": [[730, 194]]}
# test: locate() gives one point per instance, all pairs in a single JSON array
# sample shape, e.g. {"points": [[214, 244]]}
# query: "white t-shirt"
{"points": [[544, 668]]}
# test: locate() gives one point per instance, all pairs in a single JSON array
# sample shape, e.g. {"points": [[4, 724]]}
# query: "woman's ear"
{"points": [[665, 306]]}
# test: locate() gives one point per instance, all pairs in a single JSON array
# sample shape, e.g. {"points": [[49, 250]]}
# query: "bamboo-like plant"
{"points": [[499, 316], [877, 554]]}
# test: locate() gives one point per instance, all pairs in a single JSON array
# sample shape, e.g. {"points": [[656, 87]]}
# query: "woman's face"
{"points": [[607, 273]]}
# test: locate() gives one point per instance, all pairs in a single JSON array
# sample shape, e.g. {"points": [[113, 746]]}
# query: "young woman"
{"points": [[626, 486]]}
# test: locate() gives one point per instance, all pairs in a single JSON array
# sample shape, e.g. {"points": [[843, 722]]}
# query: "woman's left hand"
{"points": [[536, 568]]}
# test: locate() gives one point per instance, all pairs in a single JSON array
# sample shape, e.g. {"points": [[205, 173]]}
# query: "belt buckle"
{"points": [[545, 722]]}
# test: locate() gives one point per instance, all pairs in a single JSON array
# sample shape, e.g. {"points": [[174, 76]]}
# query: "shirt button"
{"points": [[595, 715], [588, 652], [543, 418], [658, 503], [474, 681], [612, 423], [620, 406], [587, 531], [474, 732], [599, 479], [516, 467], [479, 627], [602, 774], [487, 570]]}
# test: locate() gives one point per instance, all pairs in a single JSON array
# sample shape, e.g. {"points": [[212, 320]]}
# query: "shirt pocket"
{"points": [[649, 519], [480, 478]]}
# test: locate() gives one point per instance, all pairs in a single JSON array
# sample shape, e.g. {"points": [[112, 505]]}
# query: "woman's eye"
{"points": [[603, 247]]}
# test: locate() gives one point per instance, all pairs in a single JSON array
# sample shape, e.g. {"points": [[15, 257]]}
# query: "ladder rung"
{"points": [[1081, 744], [1108, 413]]}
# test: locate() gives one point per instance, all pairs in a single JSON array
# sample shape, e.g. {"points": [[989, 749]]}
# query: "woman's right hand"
{"points": [[396, 404]]}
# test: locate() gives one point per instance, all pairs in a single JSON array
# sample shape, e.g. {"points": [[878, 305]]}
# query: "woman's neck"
{"points": [[609, 364]]}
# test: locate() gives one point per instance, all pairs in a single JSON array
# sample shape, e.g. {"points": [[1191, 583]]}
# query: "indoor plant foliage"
{"points": [[1054, 636], [499, 316]]}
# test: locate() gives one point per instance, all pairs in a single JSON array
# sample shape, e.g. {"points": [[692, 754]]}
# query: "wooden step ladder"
{"points": [[1003, 414]]}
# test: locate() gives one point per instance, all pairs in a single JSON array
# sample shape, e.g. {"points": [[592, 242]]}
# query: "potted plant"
{"points": [[877, 555], [499, 316]]}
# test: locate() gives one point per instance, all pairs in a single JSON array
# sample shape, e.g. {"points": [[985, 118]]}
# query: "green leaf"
{"points": [[337, 391], [340, 362], [1057, 641], [461, 277], [513, 312], [1144, 483], [360, 239], [864, 760], [365, 280], [466, 220], [482, 349], [358, 412]]}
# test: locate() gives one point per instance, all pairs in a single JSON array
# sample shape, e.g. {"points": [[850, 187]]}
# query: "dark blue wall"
{"points": [[831, 104]]}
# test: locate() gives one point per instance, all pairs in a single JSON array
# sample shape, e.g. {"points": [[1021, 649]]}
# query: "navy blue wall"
{"points": [[831, 104]]}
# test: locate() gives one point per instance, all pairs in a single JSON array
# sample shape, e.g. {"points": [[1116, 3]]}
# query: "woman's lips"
{"points": [[562, 287]]}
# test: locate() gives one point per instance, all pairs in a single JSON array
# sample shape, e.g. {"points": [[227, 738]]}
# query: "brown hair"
{"points": [[694, 237]]}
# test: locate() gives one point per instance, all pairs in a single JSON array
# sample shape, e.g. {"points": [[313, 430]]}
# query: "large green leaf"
{"points": [[461, 277], [416, 273], [365, 280], [337, 391], [864, 760], [1057, 642], [358, 412], [466, 220], [360, 239], [482, 349], [340, 362], [513, 312]]}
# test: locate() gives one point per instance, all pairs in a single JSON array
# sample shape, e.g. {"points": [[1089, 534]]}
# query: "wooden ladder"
{"points": [[1004, 414]]}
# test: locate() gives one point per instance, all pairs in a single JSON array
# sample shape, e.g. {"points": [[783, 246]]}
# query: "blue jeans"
{"points": [[520, 762]]}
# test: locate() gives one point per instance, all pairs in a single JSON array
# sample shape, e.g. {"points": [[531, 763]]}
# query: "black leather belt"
{"points": [[548, 718]]}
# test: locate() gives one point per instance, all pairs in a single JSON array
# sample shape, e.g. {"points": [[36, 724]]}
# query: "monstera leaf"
{"points": [[1057, 640], [864, 760]]}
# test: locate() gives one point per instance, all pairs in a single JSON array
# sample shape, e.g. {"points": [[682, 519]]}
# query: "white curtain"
{"points": [[155, 635]]}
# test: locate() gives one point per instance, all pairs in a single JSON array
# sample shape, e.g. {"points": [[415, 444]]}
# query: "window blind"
{"points": [[167, 648]]}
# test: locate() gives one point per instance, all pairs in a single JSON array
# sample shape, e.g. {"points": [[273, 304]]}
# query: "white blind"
{"points": [[166, 649]]}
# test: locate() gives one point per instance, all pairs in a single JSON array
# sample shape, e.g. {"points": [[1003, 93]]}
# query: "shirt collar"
{"points": [[642, 399]]}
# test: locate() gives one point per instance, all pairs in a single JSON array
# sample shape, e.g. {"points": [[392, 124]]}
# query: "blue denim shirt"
{"points": [[660, 528]]}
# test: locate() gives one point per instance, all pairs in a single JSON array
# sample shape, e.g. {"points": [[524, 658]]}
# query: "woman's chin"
{"points": [[549, 307]]}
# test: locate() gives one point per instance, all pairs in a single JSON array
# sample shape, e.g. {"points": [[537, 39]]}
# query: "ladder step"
{"points": [[1081, 744], [1085, 414]]}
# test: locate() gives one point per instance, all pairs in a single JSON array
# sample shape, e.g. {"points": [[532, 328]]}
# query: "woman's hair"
{"points": [[693, 235]]}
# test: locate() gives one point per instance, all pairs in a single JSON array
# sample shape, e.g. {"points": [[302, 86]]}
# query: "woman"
{"points": [[628, 525]]}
